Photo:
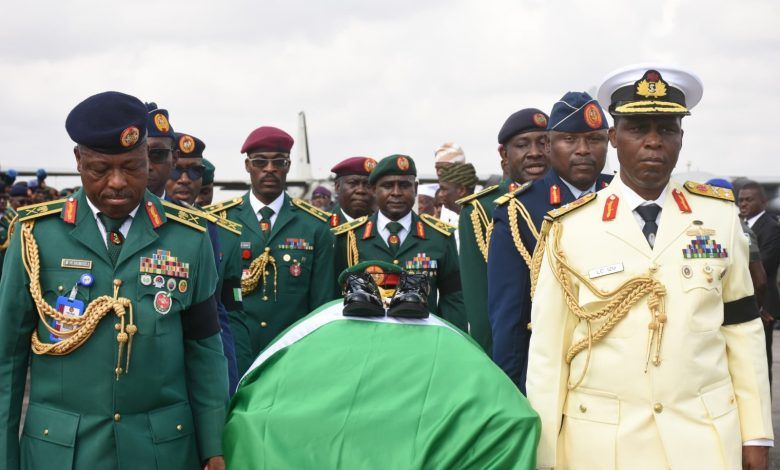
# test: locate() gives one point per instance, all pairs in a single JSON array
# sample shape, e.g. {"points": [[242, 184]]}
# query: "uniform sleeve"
{"points": [[473, 273], [18, 319], [548, 372], [323, 286], [205, 364], [745, 343], [508, 289], [450, 302], [339, 257], [226, 334]]}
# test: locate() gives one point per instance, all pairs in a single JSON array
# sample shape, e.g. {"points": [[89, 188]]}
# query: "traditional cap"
{"points": [[647, 89], [354, 166], [721, 183], [577, 112], [463, 174], [189, 146], [525, 120], [427, 190], [208, 173], [41, 174], [385, 274], [393, 165], [109, 123], [9, 176], [19, 189], [157, 123], [449, 152], [267, 139], [321, 191]]}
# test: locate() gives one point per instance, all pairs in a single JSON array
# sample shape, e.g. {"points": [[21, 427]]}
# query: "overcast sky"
{"points": [[377, 78]]}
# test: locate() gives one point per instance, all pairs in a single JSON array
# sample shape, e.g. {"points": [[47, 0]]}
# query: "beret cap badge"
{"points": [[540, 120], [161, 122], [403, 163], [592, 116], [129, 136], [187, 144], [369, 164]]}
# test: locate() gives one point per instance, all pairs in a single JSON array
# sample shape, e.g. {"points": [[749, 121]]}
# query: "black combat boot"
{"points": [[411, 297], [362, 297]]}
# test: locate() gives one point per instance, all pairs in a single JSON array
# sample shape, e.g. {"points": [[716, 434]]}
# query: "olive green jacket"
{"points": [[163, 411], [473, 267], [429, 249], [301, 246]]}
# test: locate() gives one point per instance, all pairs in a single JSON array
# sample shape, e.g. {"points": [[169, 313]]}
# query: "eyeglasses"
{"points": [[277, 163], [193, 172], [159, 155]]}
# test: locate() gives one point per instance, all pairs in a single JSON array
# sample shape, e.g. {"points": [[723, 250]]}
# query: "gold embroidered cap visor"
{"points": [[650, 89]]}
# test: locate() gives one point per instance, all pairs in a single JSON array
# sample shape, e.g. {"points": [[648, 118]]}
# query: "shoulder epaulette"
{"points": [[34, 211], [471, 197], [190, 217], [438, 225], [224, 205], [349, 226], [228, 224], [508, 196], [702, 189], [315, 211], [9, 215], [566, 208]]}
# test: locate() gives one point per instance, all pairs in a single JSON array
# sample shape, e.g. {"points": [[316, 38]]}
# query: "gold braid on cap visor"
{"points": [[651, 107]]}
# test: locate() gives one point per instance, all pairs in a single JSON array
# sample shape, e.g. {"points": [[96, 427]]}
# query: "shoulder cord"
{"points": [[256, 270], [620, 301], [514, 208], [483, 228], [83, 326], [353, 255]]}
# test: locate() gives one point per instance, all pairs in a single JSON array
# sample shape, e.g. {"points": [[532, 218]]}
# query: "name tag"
{"points": [[604, 270], [76, 263]]}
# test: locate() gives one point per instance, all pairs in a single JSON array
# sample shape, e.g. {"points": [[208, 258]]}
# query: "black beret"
{"points": [[525, 120], [158, 123], [189, 146], [109, 123]]}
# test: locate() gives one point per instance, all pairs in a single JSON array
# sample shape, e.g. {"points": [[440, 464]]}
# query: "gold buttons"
{"points": [[395, 261], [528, 327], [286, 257], [60, 288], [117, 282], [118, 370], [117, 326], [658, 407], [263, 324], [583, 408], [45, 432], [653, 268], [117, 417], [179, 427], [265, 298], [267, 249]]}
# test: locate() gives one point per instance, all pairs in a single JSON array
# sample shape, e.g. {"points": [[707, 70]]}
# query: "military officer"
{"points": [[162, 146], [648, 351], [206, 194], [354, 196], [520, 141], [419, 244], [182, 189], [285, 248], [577, 145], [7, 216], [114, 297]]}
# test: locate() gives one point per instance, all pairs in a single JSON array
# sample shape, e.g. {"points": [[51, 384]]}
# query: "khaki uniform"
{"points": [[626, 402]]}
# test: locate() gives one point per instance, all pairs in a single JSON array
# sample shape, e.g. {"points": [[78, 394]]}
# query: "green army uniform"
{"points": [[429, 249], [5, 233], [474, 226], [148, 387], [283, 278]]}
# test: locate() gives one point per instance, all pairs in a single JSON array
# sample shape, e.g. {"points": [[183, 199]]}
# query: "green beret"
{"points": [[463, 174], [208, 174], [384, 272], [392, 165]]}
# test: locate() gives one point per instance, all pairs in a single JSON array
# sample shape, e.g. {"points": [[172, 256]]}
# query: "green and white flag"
{"points": [[335, 392]]}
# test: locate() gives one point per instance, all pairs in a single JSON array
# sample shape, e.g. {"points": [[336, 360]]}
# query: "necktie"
{"points": [[649, 213], [265, 220], [114, 238], [394, 241]]}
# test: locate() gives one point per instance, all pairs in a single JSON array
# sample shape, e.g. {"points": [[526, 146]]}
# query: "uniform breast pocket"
{"points": [[702, 283], [57, 286], [294, 269], [600, 304], [159, 303]]}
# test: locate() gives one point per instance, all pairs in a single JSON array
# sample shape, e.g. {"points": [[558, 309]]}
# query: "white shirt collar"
{"points": [[634, 200], [276, 205], [124, 229], [577, 192], [752, 220], [405, 221]]}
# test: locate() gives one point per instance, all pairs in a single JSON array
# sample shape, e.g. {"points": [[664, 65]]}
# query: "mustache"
{"points": [[270, 178], [584, 161], [117, 194]]}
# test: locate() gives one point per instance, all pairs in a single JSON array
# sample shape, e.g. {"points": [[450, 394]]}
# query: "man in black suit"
{"points": [[752, 207]]}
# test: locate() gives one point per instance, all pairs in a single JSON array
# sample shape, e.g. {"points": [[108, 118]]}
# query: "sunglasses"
{"points": [[277, 163], [193, 172], [159, 155]]}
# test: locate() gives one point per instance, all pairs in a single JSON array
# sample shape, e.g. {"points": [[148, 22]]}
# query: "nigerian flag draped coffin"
{"points": [[362, 393]]}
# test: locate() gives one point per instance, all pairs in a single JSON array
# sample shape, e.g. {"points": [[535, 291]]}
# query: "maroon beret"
{"points": [[267, 139], [354, 166]]}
